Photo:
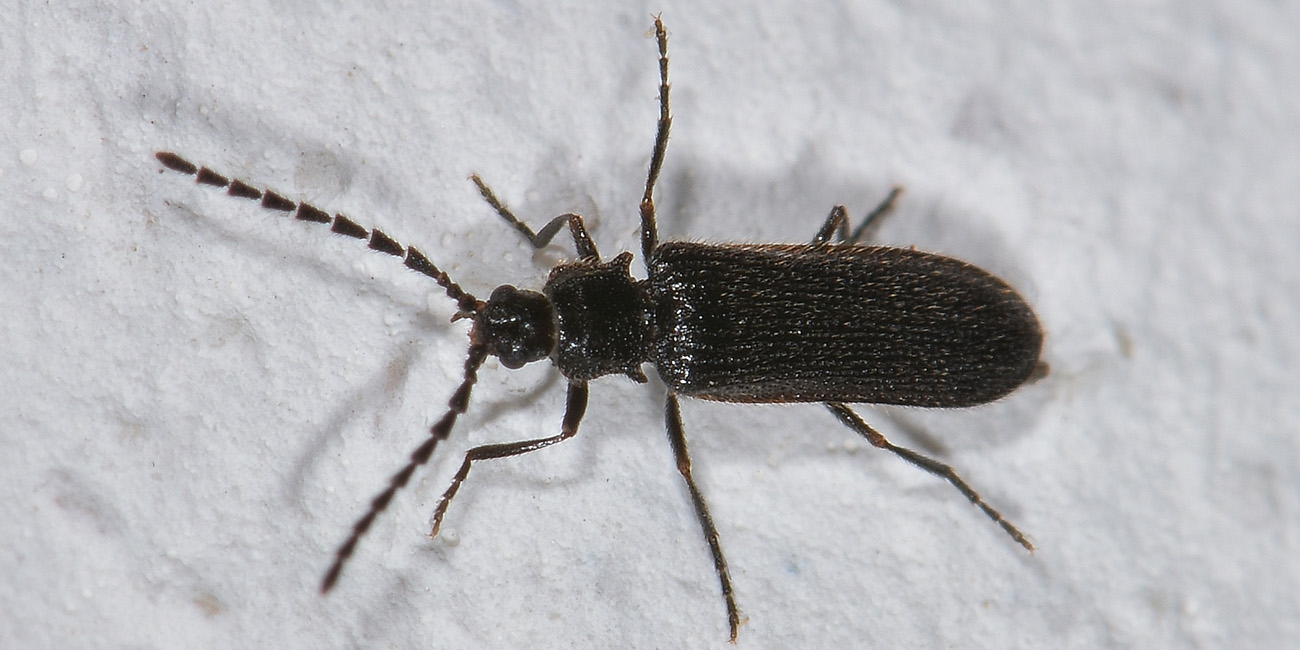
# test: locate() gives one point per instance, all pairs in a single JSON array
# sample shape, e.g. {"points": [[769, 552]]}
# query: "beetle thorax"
{"points": [[602, 317]]}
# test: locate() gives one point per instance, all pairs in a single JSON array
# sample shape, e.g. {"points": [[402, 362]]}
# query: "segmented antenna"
{"points": [[466, 303], [439, 432]]}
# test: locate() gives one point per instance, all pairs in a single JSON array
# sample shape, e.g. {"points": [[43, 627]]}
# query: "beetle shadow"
{"points": [[395, 366], [392, 382]]}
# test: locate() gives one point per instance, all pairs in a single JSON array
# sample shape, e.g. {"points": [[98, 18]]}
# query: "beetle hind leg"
{"points": [[838, 221], [946, 472]]}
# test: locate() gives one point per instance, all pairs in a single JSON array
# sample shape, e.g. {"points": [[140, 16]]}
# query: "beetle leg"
{"points": [[677, 437], [838, 221], [946, 472], [649, 228], [438, 432], [881, 210], [574, 408], [581, 240]]}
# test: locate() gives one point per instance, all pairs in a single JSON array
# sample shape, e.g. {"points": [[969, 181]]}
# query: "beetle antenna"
{"points": [[378, 240], [439, 432]]}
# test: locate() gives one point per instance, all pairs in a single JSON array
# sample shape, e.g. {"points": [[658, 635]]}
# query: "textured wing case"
{"points": [[803, 323]]}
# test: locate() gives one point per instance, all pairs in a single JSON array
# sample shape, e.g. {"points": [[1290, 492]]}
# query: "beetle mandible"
{"points": [[829, 322]]}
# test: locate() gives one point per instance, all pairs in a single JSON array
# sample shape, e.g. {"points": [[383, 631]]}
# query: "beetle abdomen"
{"points": [[805, 323]]}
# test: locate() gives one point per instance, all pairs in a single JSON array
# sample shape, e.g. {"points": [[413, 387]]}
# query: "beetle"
{"points": [[830, 322]]}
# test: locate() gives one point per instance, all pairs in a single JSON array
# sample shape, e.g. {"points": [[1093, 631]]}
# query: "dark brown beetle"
{"points": [[825, 322]]}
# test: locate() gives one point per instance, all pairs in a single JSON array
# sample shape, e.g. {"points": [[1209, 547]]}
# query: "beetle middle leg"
{"points": [[677, 437], [649, 228], [575, 407]]}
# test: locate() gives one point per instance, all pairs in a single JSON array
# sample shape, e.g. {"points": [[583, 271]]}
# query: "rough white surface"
{"points": [[199, 396]]}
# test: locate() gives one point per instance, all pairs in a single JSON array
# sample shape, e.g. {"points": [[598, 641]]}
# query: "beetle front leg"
{"points": [[581, 240], [575, 407], [677, 437]]}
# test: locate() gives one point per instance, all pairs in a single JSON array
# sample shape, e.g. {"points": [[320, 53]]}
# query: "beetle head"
{"points": [[516, 326]]}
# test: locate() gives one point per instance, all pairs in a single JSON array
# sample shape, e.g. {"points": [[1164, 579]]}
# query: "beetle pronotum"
{"points": [[828, 322]]}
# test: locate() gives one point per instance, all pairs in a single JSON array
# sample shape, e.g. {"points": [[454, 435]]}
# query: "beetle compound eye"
{"points": [[518, 327]]}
